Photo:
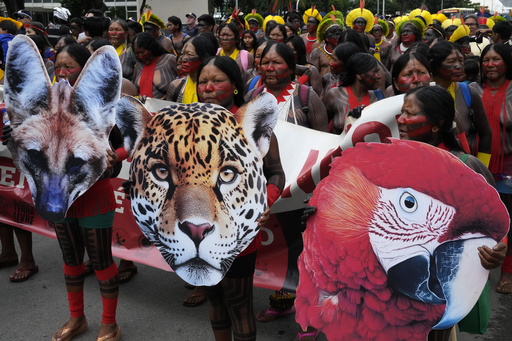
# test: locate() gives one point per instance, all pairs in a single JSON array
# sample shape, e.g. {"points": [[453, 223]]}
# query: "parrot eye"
{"points": [[408, 202]]}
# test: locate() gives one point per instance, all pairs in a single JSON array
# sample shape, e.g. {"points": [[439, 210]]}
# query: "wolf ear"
{"points": [[98, 88], [259, 118], [131, 118], [26, 83]]}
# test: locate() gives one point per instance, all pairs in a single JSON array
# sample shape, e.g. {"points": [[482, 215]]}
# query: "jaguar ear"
{"points": [[259, 118], [98, 88], [131, 118], [26, 83]]}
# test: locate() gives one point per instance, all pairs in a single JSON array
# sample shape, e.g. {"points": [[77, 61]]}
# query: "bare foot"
{"points": [[505, 283]]}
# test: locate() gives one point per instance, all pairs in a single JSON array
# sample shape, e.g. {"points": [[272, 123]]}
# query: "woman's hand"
{"points": [[112, 158], [262, 222], [492, 258]]}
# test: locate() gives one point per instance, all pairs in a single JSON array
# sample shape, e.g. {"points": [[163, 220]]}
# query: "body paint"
{"points": [[190, 65], [416, 125], [222, 90], [63, 71]]}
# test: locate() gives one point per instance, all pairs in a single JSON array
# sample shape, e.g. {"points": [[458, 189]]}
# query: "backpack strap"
{"points": [[257, 91], [253, 82], [379, 94], [178, 90], [244, 59], [466, 93], [304, 98], [464, 158]]}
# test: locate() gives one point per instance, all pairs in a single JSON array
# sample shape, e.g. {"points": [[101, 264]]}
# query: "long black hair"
{"points": [[357, 64], [231, 69], [438, 106], [504, 51], [285, 52], [299, 47], [148, 42]]}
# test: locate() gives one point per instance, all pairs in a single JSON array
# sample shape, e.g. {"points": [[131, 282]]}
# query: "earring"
{"points": [[235, 92]]}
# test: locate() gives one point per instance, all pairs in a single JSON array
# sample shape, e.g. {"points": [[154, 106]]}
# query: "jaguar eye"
{"points": [[228, 175], [160, 172], [408, 202]]}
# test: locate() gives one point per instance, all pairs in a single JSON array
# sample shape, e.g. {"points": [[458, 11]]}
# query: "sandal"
{"points": [[131, 271], [21, 275], [194, 299], [67, 333], [301, 335], [270, 314], [114, 336], [504, 287]]}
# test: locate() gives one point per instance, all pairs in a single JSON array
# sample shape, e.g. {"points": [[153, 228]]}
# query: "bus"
{"points": [[458, 12]]}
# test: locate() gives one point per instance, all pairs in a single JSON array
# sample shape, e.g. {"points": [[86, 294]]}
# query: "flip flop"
{"points": [[303, 334], [201, 298], [28, 272], [132, 271], [504, 287], [271, 314], [8, 264]]}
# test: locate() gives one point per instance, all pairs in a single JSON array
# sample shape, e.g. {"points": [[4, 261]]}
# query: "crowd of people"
{"points": [[323, 69]]}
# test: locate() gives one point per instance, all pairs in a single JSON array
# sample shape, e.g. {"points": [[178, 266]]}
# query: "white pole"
{"points": [[297, 6], [384, 9]]}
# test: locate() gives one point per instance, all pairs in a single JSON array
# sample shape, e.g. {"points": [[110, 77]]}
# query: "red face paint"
{"points": [[312, 28], [494, 65], [216, 93], [415, 126], [333, 41], [60, 71], [359, 28], [336, 67], [411, 81], [190, 65], [370, 79], [115, 35], [408, 38]]}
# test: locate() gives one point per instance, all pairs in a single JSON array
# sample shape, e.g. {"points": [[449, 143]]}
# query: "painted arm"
{"points": [[317, 114]]}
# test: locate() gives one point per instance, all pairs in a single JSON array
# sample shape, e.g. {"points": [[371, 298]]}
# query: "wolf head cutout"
{"points": [[60, 133]]}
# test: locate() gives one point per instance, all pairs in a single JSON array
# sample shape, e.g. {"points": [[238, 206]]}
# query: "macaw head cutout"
{"points": [[390, 251], [60, 133], [198, 186]]}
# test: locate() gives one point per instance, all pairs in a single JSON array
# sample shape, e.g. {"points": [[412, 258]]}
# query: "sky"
{"points": [[496, 5]]}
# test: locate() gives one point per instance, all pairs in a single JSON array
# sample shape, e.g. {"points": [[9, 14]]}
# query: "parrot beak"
{"points": [[451, 275]]}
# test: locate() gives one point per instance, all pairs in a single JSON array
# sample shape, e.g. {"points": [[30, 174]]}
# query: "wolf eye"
{"points": [[408, 202], [160, 172], [74, 164], [228, 175], [37, 159]]}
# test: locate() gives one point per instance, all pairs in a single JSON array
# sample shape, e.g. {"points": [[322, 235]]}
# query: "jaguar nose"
{"points": [[196, 232]]}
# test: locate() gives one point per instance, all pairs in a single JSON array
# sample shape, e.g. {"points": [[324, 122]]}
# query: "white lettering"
{"points": [[119, 199], [6, 173], [270, 236]]}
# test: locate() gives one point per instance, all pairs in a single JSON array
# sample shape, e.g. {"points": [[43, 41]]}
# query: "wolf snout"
{"points": [[196, 232]]}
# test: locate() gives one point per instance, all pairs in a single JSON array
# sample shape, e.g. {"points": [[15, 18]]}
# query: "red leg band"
{"points": [[107, 273], [122, 154], [506, 267], [109, 310], [74, 271], [76, 303]]}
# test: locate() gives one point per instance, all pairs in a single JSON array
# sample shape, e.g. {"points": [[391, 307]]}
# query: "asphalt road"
{"points": [[150, 306]]}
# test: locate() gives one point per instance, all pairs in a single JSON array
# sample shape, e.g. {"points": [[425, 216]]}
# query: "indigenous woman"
{"points": [[433, 34], [411, 70], [88, 225], [229, 39], [178, 38], [196, 49], [312, 19], [496, 69], [446, 65], [255, 22], [361, 78], [278, 33], [249, 41], [155, 67], [37, 28], [408, 34], [252, 77], [231, 301], [278, 74], [427, 116], [306, 73], [117, 34], [328, 33], [340, 57], [382, 47]]}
